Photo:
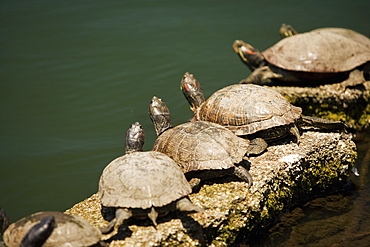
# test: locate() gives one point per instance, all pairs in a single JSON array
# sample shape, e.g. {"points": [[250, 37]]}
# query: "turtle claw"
{"points": [[243, 174], [355, 171]]}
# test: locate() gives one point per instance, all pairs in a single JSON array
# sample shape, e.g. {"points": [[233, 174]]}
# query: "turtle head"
{"points": [[287, 31], [4, 221], [192, 91], [135, 137], [40, 232], [248, 54], [160, 115]]}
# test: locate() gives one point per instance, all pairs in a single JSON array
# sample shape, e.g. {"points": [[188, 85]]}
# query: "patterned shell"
{"points": [[246, 108], [201, 146], [326, 50], [142, 180], [70, 231]]}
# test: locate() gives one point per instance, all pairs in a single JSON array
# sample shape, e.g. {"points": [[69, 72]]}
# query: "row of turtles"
{"points": [[232, 124], [235, 122]]}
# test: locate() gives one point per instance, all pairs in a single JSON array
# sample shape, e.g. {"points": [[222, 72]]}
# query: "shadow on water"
{"points": [[334, 220]]}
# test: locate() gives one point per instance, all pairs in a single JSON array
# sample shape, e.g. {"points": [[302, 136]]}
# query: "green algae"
{"points": [[317, 179], [355, 114]]}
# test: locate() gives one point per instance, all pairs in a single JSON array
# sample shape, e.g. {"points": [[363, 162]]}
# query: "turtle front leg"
{"points": [[243, 174], [122, 214], [356, 77], [256, 146], [261, 76], [195, 184]]}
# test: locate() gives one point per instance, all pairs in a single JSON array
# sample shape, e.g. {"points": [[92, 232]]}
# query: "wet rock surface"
{"points": [[285, 174], [350, 104]]}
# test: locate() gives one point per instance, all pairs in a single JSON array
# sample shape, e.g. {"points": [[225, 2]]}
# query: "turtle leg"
{"points": [[256, 146], [122, 214], [243, 174], [153, 214], [185, 205], [261, 76], [355, 77], [39, 233], [323, 123]]}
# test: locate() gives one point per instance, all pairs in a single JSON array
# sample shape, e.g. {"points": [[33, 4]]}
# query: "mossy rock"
{"points": [[335, 102]]}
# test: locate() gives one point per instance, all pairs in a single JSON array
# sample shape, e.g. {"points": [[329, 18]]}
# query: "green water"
{"points": [[75, 74]]}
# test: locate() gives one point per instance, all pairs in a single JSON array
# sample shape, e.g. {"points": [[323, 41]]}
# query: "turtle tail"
{"points": [[153, 214]]}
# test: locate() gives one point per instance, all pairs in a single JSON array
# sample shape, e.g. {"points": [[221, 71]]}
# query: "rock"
{"points": [[349, 104], [285, 174]]}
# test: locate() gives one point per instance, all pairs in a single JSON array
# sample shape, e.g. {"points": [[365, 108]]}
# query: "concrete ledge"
{"points": [[283, 176]]}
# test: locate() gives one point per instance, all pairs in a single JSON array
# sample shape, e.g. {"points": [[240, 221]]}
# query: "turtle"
{"points": [[250, 110], [142, 184], [203, 150], [321, 56], [54, 229]]}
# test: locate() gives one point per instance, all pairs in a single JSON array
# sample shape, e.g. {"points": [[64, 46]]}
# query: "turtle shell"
{"points": [[142, 180], [201, 146], [247, 108], [326, 50], [71, 231]]}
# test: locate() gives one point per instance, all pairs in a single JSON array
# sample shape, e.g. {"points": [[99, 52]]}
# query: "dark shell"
{"points": [[142, 180], [246, 108], [71, 231], [201, 146], [326, 50]]}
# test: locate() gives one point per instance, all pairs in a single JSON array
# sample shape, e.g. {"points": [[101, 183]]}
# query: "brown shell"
{"points": [[142, 180], [246, 108], [326, 50], [71, 231], [201, 146]]}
